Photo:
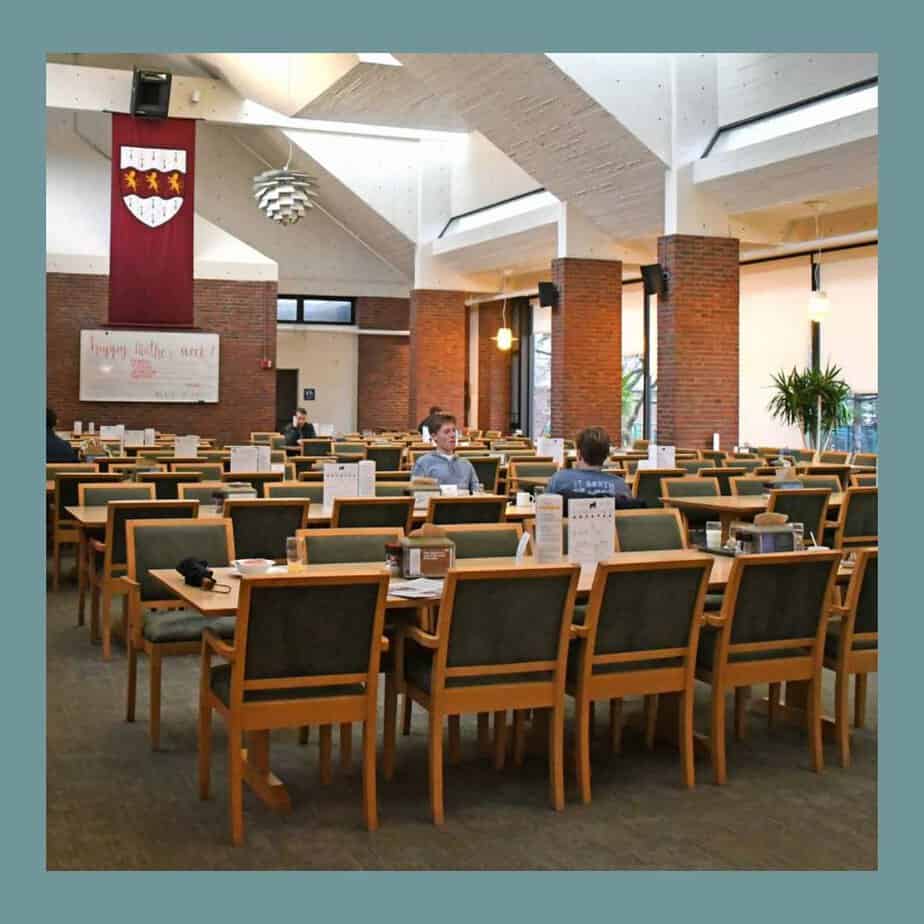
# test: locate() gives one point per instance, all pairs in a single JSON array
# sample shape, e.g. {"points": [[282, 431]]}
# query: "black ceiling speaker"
{"points": [[548, 295], [151, 94], [654, 279]]}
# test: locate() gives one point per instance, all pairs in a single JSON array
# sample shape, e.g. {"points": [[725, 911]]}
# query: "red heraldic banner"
{"points": [[151, 224]]}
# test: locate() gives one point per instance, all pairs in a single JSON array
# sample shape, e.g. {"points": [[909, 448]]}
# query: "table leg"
{"points": [[82, 547], [267, 786]]}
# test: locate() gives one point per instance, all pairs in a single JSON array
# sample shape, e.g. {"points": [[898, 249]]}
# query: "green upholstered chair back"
{"points": [[215, 455], [335, 548], [836, 458], [806, 506], [304, 489], [749, 486], [386, 458], [641, 531], [165, 483], [868, 603], [491, 541], [865, 480], [723, 475], [648, 483], [692, 466], [166, 545], [691, 487], [646, 610], [831, 482], [261, 529], [203, 491], [534, 469], [255, 479], [350, 448], [803, 455], [209, 471], [781, 599], [841, 472], [302, 463], [54, 468], [67, 487], [277, 456], [387, 511], [749, 465], [503, 620], [486, 469], [100, 495], [866, 458], [319, 447], [741, 455], [392, 488], [631, 465], [125, 510], [310, 630], [278, 442], [467, 510], [715, 458], [861, 518]]}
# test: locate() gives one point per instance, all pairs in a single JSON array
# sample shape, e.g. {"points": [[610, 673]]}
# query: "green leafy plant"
{"points": [[799, 397]]}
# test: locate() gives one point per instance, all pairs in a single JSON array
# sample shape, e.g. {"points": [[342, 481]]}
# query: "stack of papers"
{"points": [[419, 588]]}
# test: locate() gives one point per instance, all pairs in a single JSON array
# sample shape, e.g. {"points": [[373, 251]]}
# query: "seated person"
{"points": [[587, 478], [300, 430], [426, 422], [442, 464], [56, 450]]}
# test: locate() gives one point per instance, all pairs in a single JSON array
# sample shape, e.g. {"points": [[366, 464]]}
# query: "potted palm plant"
{"points": [[814, 400]]}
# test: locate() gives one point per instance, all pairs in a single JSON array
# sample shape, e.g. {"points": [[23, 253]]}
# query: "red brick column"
{"points": [[382, 379], [698, 341], [493, 370], [438, 358], [587, 346]]}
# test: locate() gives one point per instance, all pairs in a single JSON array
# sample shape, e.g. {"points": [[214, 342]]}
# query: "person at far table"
{"points": [[300, 430], [443, 464], [587, 478], [56, 450], [428, 420]]}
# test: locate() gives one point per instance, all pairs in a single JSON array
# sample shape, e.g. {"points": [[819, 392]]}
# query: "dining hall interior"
{"points": [[461, 461]]}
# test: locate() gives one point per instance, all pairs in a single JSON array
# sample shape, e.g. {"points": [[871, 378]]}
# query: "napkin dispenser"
{"points": [[427, 552], [232, 489], [754, 539]]}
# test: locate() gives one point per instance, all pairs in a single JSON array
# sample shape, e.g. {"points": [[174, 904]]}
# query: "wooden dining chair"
{"points": [[54, 468], [255, 479], [262, 526], [771, 629], [306, 652], [869, 461], [373, 511], [748, 485], [202, 491], [487, 470], [392, 489], [639, 637], [858, 520], [852, 645], [501, 642], [647, 484], [349, 451], [313, 492], [715, 457], [808, 506], [159, 626], [316, 447], [649, 530], [307, 463], [479, 508], [386, 457], [842, 472], [724, 474], [263, 437], [209, 471], [834, 458], [691, 465], [519, 470], [831, 482], [484, 540], [166, 483], [692, 486], [864, 480]]}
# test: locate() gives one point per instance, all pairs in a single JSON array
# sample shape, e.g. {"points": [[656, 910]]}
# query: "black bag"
{"points": [[196, 572]]}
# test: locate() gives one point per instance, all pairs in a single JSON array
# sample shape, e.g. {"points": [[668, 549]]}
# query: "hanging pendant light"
{"points": [[285, 195], [818, 306], [504, 336]]}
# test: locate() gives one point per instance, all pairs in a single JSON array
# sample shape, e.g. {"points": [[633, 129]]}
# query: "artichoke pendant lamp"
{"points": [[285, 195]]}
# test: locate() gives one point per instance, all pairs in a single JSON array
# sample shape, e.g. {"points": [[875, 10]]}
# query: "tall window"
{"points": [[861, 434], [633, 347], [310, 309], [542, 372]]}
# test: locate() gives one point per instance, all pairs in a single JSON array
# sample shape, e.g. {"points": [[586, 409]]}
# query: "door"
{"points": [[286, 397]]}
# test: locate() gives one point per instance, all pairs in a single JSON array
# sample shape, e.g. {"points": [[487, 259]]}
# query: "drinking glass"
{"points": [[293, 559], [798, 530], [713, 534], [479, 487]]}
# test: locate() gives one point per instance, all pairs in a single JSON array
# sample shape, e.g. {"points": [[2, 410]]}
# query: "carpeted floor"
{"points": [[113, 804]]}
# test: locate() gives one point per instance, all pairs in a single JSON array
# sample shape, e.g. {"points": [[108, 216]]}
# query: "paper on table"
{"points": [[150, 436], [134, 437], [264, 459], [187, 447], [416, 588], [548, 544], [243, 458], [365, 478], [449, 490], [591, 530], [325, 429]]}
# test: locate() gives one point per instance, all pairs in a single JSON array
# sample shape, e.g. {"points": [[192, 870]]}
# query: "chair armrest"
{"points": [[386, 643], [210, 640], [421, 637], [578, 631], [97, 546], [715, 620], [838, 609]]}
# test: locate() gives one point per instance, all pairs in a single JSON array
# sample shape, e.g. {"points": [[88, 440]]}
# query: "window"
{"points": [[861, 434], [497, 212], [310, 309]]}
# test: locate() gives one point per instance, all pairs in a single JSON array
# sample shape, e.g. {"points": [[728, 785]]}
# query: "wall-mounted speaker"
{"points": [[548, 295], [654, 279], [151, 94]]}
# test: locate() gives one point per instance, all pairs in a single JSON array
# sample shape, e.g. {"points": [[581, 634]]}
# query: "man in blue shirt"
{"points": [[587, 478], [442, 464], [56, 450]]}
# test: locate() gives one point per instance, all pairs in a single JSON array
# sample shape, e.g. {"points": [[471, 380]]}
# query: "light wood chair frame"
{"points": [[671, 512], [849, 542], [819, 528], [357, 503], [438, 500]]}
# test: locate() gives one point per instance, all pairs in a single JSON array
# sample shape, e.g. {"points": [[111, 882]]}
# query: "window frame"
{"points": [[300, 308]]}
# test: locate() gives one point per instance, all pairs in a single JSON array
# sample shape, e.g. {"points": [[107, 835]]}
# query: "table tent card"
{"points": [[278, 467], [91, 428], [78, 427], [366, 478], [716, 439], [548, 546], [134, 437], [186, 447], [244, 458], [150, 436], [552, 446], [112, 432], [340, 480], [325, 430], [264, 459], [591, 530], [667, 456]]}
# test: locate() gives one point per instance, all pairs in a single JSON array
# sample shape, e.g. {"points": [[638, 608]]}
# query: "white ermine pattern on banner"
{"points": [[162, 159], [153, 211]]}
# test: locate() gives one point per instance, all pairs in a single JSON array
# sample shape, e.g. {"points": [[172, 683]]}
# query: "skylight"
{"points": [[499, 211], [378, 57], [806, 115]]}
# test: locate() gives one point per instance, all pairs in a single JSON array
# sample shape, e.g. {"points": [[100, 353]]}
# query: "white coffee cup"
{"points": [[524, 499]]}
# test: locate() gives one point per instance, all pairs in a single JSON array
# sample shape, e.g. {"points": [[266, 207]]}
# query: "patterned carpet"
{"points": [[113, 804]]}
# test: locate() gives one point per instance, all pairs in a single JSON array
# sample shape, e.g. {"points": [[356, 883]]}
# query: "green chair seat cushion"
{"points": [[183, 625], [220, 681], [833, 641], [418, 670]]}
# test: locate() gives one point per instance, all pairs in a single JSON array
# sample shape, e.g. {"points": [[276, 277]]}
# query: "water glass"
{"points": [[798, 530], [293, 558], [713, 534]]}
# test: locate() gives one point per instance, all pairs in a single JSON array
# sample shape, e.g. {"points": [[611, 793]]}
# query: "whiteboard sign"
{"points": [[148, 366]]}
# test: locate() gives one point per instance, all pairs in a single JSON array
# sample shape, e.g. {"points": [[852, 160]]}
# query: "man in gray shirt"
{"points": [[442, 464]]}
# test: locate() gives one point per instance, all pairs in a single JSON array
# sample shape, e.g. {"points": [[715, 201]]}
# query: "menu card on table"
{"points": [[591, 530], [150, 436], [243, 458], [187, 447], [340, 480], [366, 478], [264, 459], [134, 437], [78, 427], [548, 547], [661, 456], [325, 430], [554, 447]]}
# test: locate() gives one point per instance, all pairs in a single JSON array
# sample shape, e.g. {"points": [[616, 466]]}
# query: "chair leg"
{"points": [[56, 565], [435, 749], [841, 715], [484, 733], [859, 701], [390, 730], [106, 612], [814, 717], [346, 746], [132, 682], [406, 716], [500, 739], [519, 736], [235, 785], [717, 735], [773, 700], [557, 756], [742, 694], [616, 726], [687, 764], [370, 803], [324, 758], [651, 720], [154, 697], [303, 735], [592, 724], [582, 747], [205, 744], [455, 739]]}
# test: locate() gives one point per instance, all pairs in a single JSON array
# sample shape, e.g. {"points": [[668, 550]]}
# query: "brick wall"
{"points": [[698, 341], [493, 371], [438, 358], [243, 314], [587, 346], [382, 379]]}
